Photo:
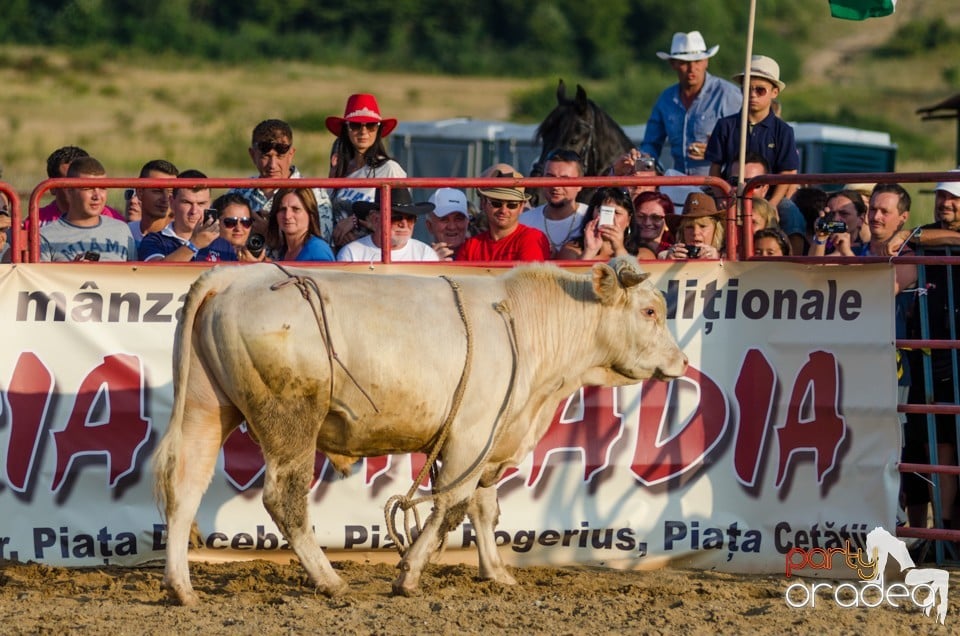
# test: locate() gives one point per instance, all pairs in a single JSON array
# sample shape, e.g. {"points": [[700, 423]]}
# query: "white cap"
{"points": [[953, 187], [447, 200]]}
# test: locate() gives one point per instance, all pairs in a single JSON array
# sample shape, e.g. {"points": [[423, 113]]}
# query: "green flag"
{"points": [[861, 9]]}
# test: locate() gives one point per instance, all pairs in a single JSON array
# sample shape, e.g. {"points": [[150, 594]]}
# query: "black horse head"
{"points": [[580, 125]]}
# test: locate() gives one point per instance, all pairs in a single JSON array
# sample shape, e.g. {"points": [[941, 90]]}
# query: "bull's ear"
{"points": [[605, 284]]}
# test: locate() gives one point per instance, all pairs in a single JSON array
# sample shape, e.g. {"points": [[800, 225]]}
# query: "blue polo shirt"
{"points": [[772, 138], [157, 245]]}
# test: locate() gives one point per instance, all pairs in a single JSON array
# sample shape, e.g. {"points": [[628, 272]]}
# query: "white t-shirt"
{"points": [[559, 233], [344, 198], [363, 251]]}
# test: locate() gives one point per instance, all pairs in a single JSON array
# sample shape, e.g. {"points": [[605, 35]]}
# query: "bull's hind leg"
{"points": [[285, 491], [484, 512], [189, 470]]}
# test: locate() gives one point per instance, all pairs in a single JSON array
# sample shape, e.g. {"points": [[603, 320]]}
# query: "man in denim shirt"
{"points": [[686, 113]]}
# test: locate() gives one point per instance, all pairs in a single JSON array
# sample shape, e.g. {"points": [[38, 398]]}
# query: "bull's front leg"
{"points": [[484, 513], [443, 519]]}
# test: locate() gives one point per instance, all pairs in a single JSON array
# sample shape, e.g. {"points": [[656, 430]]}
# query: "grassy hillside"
{"points": [[125, 111]]}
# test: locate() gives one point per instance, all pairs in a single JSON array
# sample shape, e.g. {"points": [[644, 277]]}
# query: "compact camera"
{"points": [[645, 164], [823, 226], [255, 245], [693, 251]]}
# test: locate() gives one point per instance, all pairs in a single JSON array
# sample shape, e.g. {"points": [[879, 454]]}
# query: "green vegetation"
{"points": [[187, 79]]}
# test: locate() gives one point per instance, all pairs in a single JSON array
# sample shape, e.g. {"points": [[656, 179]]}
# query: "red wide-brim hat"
{"points": [[363, 108]]}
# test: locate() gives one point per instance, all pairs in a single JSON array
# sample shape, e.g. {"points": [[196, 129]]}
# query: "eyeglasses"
{"points": [[230, 222], [563, 155], [759, 91], [357, 126], [266, 146], [652, 218], [398, 218], [497, 203]]}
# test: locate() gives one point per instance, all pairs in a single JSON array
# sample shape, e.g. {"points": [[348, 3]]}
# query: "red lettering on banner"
{"points": [[242, 459], [591, 435], [29, 398], [659, 458], [118, 381], [823, 430], [756, 384], [243, 462]]}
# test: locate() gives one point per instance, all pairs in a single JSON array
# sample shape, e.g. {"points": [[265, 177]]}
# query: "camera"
{"points": [[693, 251], [210, 215], [255, 245], [823, 226], [645, 164]]}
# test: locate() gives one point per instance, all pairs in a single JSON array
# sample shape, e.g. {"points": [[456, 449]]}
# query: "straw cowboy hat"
{"points": [[763, 67], [505, 193], [401, 202], [688, 47], [363, 108]]}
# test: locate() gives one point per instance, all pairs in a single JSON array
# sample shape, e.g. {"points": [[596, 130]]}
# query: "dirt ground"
{"points": [[260, 597]]}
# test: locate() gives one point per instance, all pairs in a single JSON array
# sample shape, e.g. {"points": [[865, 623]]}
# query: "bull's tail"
{"points": [[165, 458]]}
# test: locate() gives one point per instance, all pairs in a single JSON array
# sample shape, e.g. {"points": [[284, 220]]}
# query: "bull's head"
{"points": [[634, 322]]}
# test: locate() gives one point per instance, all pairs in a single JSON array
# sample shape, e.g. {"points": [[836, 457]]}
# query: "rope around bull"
{"points": [[406, 502], [305, 284]]}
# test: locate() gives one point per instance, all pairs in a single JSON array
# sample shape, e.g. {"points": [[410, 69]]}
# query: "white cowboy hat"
{"points": [[688, 47]]}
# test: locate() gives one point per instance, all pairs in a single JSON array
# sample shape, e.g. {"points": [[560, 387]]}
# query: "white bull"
{"points": [[373, 369]]}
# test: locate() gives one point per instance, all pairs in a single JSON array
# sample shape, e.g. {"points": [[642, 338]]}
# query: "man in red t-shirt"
{"points": [[506, 239]]}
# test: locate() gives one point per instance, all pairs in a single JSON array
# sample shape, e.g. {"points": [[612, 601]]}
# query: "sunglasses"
{"points": [[563, 155], [759, 91], [357, 126], [266, 146], [397, 218], [652, 218], [230, 222], [510, 205]]}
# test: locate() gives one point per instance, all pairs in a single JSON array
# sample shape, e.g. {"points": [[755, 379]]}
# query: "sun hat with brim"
{"points": [[951, 187], [688, 47], [401, 202], [505, 193], [699, 204], [765, 68], [363, 108]]}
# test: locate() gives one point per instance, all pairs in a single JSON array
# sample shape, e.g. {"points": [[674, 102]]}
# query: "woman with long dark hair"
{"points": [[359, 153], [606, 228]]}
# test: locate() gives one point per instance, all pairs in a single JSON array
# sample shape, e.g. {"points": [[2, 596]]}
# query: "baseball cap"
{"points": [[953, 187], [448, 200]]}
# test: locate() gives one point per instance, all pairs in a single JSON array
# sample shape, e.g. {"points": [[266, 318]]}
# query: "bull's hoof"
{"points": [[333, 590], [186, 597], [402, 587]]}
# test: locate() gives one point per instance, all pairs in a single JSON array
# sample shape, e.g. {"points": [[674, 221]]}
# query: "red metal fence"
{"points": [[739, 221]]}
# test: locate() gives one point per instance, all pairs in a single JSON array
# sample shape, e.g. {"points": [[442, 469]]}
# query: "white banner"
{"points": [[783, 433]]}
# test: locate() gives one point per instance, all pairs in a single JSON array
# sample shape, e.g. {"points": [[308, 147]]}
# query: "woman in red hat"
{"points": [[360, 154]]}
